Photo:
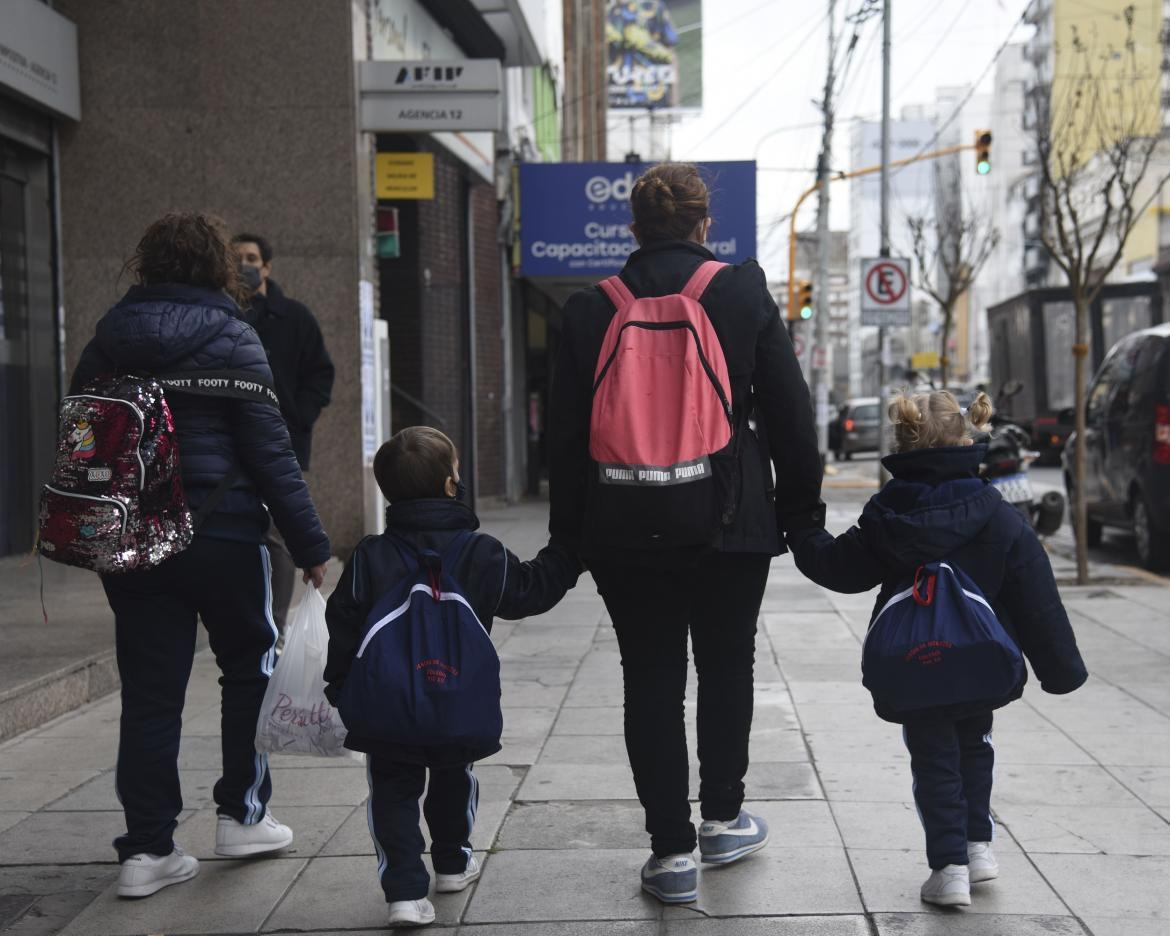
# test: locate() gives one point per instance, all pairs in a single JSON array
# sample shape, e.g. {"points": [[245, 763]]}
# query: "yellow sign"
{"points": [[924, 360], [405, 175]]}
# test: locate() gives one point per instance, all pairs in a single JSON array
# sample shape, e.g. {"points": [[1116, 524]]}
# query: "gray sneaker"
{"points": [[673, 879], [725, 842]]}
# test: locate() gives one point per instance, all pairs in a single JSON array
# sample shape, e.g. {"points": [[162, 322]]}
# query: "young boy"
{"points": [[418, 472]]}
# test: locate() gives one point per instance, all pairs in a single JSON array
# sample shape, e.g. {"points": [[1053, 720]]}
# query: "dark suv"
{"points": [[1127, 445], [860, 427]]}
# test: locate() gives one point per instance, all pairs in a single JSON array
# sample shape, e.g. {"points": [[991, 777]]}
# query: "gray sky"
{"points": [[782, 45]]}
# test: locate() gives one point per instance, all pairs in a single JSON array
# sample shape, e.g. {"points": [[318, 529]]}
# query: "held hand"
{"points": [[316, 575]]}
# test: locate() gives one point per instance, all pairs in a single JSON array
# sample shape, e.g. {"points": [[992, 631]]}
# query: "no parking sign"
{"points": [[885, 292]]}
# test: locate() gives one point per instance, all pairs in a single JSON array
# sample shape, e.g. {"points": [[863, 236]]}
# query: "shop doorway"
{"points": [[28, 344]]}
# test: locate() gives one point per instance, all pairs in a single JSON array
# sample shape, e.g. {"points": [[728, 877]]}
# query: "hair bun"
{"points": [[980, 411]]}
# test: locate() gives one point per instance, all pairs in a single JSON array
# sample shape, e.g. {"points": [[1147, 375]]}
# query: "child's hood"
{"points": [[935, 503]]}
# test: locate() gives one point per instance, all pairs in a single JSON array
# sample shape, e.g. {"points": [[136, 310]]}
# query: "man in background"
{"points": [[302, 372]]}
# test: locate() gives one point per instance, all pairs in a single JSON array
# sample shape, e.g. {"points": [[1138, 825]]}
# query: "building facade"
{"points": [[265, 120]]}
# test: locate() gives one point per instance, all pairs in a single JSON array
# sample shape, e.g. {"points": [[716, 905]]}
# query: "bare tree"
{"points": [[1095, 149], [949, 250]]}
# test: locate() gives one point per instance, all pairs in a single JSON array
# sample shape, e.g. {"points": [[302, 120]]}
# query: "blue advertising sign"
{"points": [[575, 217]]}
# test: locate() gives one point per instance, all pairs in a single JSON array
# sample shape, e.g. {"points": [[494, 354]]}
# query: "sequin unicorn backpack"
{"points": [[115, 499]]}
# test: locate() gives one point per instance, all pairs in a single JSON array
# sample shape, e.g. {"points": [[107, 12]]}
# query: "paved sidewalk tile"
{"points": [[344, 893], [600, 884], [959, 923], [35, 789], [225, 897], [1150, 784], [770, 926], [1112, 830], [777, 881], [1110, 885], [891, 881], [63, 838]]}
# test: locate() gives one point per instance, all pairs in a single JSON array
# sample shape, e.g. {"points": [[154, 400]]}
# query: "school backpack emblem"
{"points": [[938, 642], [115, 499], [660, 420], [426, 672]]}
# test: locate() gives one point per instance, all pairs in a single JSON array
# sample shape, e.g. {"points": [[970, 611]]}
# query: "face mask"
{"points": [[460, 491], [251, 276]]}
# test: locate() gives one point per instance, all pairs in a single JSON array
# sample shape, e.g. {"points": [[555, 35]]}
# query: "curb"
{"points": [[32, 704], [845, 484]]}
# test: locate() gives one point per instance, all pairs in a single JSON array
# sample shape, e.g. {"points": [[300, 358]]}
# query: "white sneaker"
{"points": [[983, 866], [454, 883], [948, 887], [404, 913], [236, 840], [142, 875]]}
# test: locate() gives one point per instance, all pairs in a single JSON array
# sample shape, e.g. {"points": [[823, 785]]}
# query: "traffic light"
{"points": [[983, 151], [804, 298]]}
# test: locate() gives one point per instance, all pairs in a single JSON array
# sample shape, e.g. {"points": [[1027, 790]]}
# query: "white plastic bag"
{"points": [[296, 718]]}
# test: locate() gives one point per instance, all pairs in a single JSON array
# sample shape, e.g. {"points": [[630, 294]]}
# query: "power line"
{"points": [[785, 61], [933, 141]]}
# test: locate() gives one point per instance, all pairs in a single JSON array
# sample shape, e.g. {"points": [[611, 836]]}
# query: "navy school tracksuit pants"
{"points": [[225, 583], [952, 762], [452, 797]]}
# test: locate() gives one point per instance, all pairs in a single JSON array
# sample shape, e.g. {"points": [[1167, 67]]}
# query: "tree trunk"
{"points": [[943, 360], [1080, 504]]}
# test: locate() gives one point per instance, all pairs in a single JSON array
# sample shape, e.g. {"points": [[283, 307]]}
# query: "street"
{"points": [[1082, 796]]}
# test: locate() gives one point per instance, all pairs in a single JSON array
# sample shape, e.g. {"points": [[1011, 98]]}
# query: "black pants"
{"points": [[952, 764], [652, 610], [392, 812], [227, 584]]}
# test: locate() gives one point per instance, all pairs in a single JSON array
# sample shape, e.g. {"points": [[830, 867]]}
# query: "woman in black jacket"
{"points": [[656, 591], [182, 317]]}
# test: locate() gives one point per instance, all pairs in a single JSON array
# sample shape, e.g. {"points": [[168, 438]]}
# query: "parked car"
{"points": [[1127, 445], [860, 427]]}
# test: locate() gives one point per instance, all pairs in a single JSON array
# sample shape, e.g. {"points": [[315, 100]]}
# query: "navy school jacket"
{"points": [[494, 581], [937, 507], [176, 328]]}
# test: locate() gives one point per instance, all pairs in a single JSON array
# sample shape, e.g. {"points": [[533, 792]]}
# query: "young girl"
{"points": [[937, 507]]}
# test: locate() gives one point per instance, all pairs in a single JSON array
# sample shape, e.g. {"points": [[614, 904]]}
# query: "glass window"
{"points": [[1060, 330], [1123, 316], [867, 413]]}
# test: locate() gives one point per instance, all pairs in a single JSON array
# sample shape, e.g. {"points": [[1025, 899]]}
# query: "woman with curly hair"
{"points": [[182, 317]]}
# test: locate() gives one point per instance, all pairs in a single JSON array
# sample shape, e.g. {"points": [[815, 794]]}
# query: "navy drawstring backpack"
{"points": [[426, 672], [936, 643]]}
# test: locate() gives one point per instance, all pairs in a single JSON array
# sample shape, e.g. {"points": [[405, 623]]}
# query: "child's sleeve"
{"points": [[842, 563], [1032, 599], [345, 613], [535, 586]]}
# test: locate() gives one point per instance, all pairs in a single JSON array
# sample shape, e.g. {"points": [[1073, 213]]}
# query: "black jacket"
{"points": [[936, 507], [301, 367], [166, 329], [493, 580], [766, 382]]}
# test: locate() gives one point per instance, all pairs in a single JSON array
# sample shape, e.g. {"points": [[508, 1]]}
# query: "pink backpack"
{"points": [[115, 499], [661, 427]]}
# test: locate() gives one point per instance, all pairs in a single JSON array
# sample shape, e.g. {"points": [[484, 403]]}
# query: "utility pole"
{"points": [[883, 427], [820, 344]]}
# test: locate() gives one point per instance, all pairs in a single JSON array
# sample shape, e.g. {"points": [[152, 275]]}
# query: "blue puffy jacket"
{"points": [[937, 507], [171, 328]]}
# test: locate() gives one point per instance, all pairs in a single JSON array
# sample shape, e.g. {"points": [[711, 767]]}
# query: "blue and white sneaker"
{"points": [[673, 879], [725, 842]]}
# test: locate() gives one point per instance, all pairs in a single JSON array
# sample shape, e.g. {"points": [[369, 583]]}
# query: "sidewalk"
{"points": [[1082, 798]]}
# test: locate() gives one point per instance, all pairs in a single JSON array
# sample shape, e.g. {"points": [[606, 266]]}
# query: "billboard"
{"points": [[575, 217], [654, 54]]}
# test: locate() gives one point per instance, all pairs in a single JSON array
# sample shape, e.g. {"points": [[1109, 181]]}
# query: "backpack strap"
{"points": [[701, 279], [235, 384], [618, 292]]}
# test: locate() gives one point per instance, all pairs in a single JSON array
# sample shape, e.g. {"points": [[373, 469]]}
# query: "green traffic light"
{"points": [[806, 313], [983, 167]]}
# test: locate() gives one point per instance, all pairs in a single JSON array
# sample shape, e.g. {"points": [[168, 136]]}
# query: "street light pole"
{"points": [[885, 230], [820, 350]]}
